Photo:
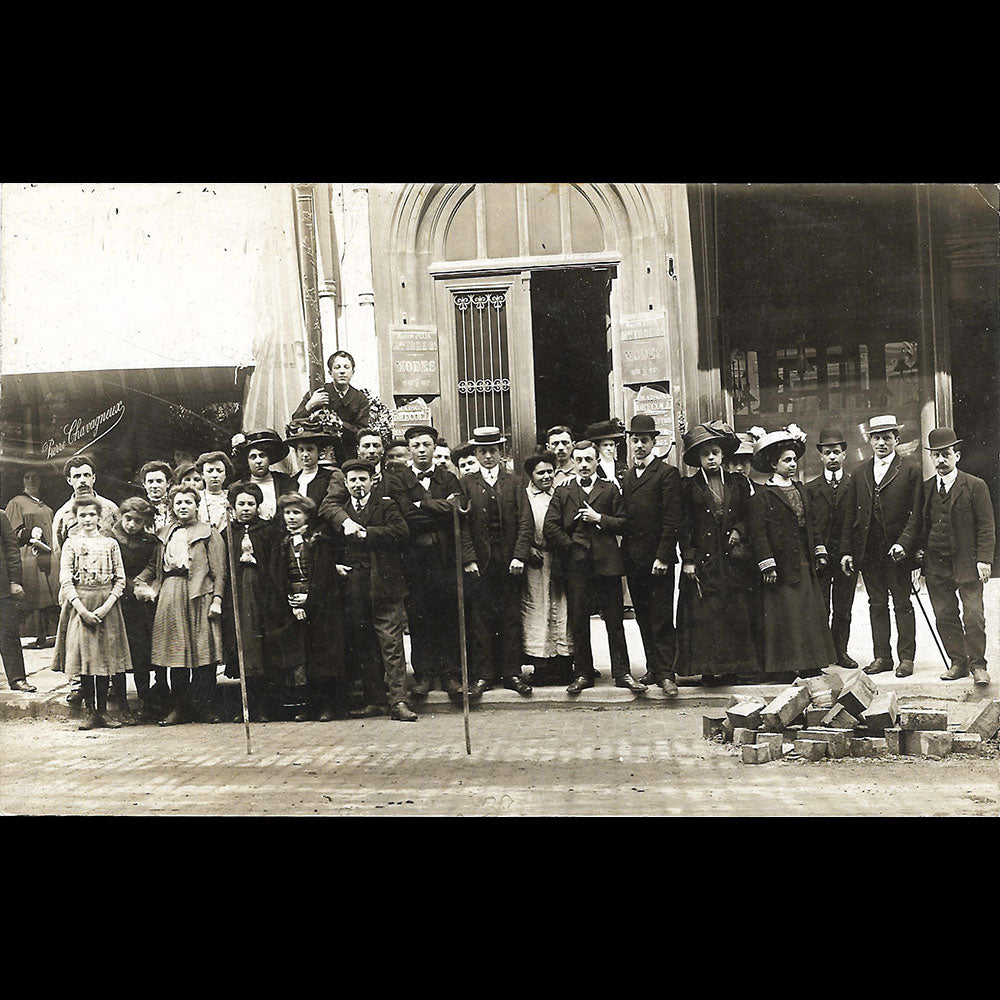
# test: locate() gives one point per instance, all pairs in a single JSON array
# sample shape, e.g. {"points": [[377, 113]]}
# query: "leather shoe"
{"points": [[519, 684], [957, 670], [74, 698], [175, 718], [477, 688], [401, 712], [23, 685], [669, 687], [648, 679], [905, 668], [879, 665], [847, 661], [628, 681], [90, 721], [107, 722], [980, 676], [452, 687], [326, 715], [421, 688], [368, 712], [580, 684]]}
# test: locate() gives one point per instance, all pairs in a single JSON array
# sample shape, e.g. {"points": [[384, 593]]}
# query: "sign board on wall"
{"points": [[417, 411], [644, 348], [415, 369], [659, 405]]}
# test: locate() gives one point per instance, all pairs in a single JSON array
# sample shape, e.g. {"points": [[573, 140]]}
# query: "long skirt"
{"points": [[94, 650], [796, 632], [138, 617], [543, 610], [255, 658], [714, 635], [183, 634]]}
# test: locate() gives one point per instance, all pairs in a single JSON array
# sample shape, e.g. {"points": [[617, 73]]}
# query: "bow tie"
{"points": [[587, 482], [639, 466]]}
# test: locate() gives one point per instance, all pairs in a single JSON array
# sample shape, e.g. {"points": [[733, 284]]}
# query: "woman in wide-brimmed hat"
{"points": [[313, 445], [796, 636], [258, 451], [714, 634]]}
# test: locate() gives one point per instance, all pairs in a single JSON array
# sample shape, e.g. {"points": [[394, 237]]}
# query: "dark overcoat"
{"points": [[387, 535], [704, 541], [775, 533], [561, 524], [828, 508], [653, 509]]}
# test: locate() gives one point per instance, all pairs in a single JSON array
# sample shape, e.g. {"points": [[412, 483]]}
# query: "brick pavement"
{"points": [[542, 763]]}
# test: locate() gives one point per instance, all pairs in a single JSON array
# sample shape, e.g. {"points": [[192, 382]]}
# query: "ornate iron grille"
{"points": [[483, 361]]}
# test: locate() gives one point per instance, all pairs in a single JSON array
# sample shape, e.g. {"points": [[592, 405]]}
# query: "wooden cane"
{"points": [[460, 574], [231, 547]]}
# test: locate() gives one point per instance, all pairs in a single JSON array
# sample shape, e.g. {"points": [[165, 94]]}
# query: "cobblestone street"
{"points": [[544, 762]]}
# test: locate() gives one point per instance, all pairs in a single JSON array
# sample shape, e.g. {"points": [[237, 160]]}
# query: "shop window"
{"points": [[483, 361]]}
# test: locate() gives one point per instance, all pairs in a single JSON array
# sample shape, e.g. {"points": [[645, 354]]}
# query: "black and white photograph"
{"points": [[499, 499]]}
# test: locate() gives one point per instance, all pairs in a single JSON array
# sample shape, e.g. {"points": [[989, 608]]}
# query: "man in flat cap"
{"points": [[826, 493], [881, 524], [958, 538]]}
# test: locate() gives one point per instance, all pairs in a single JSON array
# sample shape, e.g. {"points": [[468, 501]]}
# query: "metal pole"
{"points": [[231, 547], [937, 641], [460, 572]]}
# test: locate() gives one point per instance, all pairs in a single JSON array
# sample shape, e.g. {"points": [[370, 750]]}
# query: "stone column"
{"points": [[359, 337]]}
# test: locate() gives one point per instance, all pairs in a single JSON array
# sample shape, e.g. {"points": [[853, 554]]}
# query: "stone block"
{"points": [[859, 677], [926, 743], [773, 740], [922, 720], [745, 715], [985, 720], [712, 726], [791, 733], [882, 712], [868, 746], [810, 749], [785, 709], [756, 754], [728, 728], [839, 718], [893, 741], [855, 697], [742, 736], [838, 740], [967, 743], [814, 716], [823, 690]]}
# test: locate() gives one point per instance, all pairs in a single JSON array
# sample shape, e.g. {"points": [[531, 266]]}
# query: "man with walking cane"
{"points": [[956, 545]]}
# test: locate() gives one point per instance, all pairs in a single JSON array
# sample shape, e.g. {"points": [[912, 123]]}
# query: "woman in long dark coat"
{"points": [[714, 633], [796, 633]]}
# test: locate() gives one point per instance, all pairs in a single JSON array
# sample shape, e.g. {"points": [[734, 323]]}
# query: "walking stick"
{"points": [[459, 572], [937, 641], [231, 547]]}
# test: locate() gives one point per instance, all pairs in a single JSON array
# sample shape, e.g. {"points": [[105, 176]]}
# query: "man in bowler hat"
{"points": [[882, 509], [958, 537], [826, 493], [652, 495]]}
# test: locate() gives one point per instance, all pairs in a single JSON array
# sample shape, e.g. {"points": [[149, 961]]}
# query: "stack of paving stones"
{"points": [[833, 717]]}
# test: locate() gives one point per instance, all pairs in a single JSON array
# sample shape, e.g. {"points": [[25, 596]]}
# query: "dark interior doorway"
{"points": [[569, 321]]}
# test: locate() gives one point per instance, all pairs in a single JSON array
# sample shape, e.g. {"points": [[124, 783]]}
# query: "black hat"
{"points": [[642, 423], [603, 430], [266, 439], [308, 432], [831, 436], [942, 437], [358, 463], [419, 429], [697, 436], [486, 436]]}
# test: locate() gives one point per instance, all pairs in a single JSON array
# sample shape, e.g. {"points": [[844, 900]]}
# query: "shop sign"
{"points": [[644, 348], [417, 411], [83, 431], [415, 368], [660, 406]]}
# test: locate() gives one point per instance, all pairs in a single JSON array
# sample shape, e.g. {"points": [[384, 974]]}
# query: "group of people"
{"points": [[309, 582]]}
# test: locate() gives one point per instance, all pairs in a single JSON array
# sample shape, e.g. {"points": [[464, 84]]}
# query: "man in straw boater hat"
{"points": [[826, 493], [882, 509], [652, 495], [957, 539], [496, 540], [258, 451]]}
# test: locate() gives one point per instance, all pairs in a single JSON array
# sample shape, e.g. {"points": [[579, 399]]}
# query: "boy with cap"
{"points": [[826, 495], [882, 509], [957, 543]]}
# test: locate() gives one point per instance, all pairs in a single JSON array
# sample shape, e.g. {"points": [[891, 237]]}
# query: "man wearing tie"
{"points": [[582, 522], [652, 495], [826, 493], [882, 512], [958, 538], [429, 567]]}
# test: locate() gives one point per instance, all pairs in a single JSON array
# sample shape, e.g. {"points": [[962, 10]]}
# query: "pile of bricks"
{"points": [[833, 717]]}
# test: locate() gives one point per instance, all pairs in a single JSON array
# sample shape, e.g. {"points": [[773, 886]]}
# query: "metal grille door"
{"points": [[483, 361]]}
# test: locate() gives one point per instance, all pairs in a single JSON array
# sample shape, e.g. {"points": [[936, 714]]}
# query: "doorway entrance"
{"points": [[570, 319]]}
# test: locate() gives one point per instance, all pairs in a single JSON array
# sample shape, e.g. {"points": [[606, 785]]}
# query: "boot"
{"points": [[91, 720]]}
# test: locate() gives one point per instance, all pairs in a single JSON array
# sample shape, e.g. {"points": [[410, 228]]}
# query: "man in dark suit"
{"points": [[610, 465], [881, 523], [958, 537], [11, 591], [368, 558], [826, 494], [429, 565], [353, 407], [652, 495], [581, 525], [496, 540]]}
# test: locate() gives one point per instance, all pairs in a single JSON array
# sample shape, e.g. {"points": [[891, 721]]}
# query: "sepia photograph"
{"points": [[499, 499]]}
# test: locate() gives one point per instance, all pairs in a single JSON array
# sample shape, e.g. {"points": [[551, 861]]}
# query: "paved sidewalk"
{"points": [[923, 686]]}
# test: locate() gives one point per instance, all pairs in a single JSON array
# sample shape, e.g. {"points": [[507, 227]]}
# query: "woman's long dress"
{"points": [[543, 603], [39, 572]]}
